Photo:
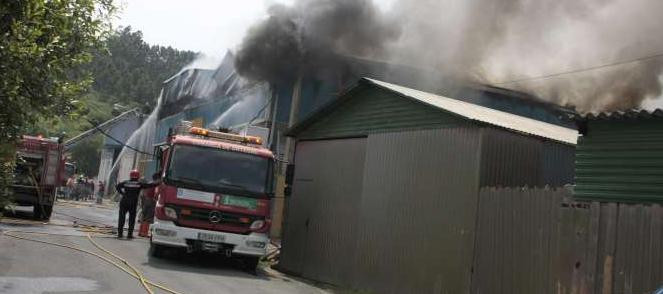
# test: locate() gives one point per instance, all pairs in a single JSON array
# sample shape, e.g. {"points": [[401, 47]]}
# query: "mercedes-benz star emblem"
{"points": [[215, 217]]}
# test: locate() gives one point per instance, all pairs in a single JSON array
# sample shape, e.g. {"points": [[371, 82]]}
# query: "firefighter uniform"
{"points": [[130, 191]]}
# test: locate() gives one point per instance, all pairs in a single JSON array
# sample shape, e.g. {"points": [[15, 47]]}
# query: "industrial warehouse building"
{"points": [[220, 97], [620, 157], [387, 180]]}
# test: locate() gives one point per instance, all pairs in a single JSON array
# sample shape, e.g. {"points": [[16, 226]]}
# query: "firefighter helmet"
{"points": [[134, 174]]}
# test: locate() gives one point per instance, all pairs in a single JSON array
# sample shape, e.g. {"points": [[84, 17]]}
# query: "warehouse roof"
{"points": [[460, 108], [621, 115]]}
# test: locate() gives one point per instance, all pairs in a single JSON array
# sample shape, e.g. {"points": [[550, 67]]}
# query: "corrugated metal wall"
{"points": [[376, 110], [407, 228], [525, 242], [621, 161], [539, 241], [637, 266], [323, 211], [418, 212], [514, 160]]}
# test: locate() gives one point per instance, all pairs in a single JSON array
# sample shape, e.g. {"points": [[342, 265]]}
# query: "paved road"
{"points": [[27, 267]]}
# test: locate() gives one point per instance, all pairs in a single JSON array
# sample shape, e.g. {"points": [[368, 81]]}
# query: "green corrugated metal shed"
{"points": [[620, 157], [372, 110], [386, 186], [374, 106]]}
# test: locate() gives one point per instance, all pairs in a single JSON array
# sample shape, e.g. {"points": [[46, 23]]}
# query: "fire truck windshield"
{"points": [[218, 170]]}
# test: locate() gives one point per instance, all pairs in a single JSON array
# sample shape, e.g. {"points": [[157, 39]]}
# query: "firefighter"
{"points": [[147, 211], [130, 190]]}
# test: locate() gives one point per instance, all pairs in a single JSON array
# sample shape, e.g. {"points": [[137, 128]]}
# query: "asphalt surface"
{"points": [[28, 267]]}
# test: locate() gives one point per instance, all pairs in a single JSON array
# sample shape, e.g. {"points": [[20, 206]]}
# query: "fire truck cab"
{"points": [[215, 194]]}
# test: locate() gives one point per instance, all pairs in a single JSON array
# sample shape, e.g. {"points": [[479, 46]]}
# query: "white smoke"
{"points": [[204, 61], [501, 41]]}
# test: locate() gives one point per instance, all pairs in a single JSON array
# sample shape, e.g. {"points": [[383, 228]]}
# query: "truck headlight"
{"points": [[256, 244], [167, 233], [257, 225], [170, 212]]}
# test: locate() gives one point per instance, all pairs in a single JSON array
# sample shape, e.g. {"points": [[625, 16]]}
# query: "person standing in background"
{"points": [[86, 186], [100, 192], [69, 188], [90, 185], [78, 189]]}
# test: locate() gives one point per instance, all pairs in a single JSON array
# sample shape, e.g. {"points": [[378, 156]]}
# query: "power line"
{"points": [[581, 70], [118, 141]]}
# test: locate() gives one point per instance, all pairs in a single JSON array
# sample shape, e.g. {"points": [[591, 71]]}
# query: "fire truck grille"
{"points": [[213, 217]]}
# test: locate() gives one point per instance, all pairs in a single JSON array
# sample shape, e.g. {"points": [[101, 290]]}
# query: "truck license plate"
{"points": [[211, 237]]}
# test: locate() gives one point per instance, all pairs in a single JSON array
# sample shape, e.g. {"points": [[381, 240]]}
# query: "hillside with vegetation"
{"points": [[130, 71], [126, 73]]}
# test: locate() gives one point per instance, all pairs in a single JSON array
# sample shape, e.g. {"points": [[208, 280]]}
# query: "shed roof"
{"points": [[460, 108], [621, 115]]}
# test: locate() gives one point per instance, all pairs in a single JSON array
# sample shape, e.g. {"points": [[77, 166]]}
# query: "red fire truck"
{"points": [[215, 194], [40, 169]]}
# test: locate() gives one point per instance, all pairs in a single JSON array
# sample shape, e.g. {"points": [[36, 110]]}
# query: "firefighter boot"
{"points": [[143, 230]]}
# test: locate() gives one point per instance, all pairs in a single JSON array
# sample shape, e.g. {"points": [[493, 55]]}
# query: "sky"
{"points": [[207, 26]]}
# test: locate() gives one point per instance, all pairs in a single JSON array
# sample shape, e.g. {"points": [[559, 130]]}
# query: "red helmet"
{"points": [[134, 174]]}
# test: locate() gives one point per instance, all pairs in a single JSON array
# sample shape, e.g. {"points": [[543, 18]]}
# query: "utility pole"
{"points": [[272, 129], [280, 205], [294, 117]]}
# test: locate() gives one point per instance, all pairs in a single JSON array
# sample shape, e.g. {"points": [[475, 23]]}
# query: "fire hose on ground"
{"points": [[89, 230]]}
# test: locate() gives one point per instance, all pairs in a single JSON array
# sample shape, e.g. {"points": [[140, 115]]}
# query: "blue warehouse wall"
{"points": [[122, 131], [223, 111]]}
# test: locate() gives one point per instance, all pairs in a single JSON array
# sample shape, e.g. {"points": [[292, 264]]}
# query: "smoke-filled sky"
{"points": [[207, 26], [482, 41], [476, 41]]}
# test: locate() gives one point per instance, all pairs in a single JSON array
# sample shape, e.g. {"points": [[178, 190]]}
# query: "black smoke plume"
{"points": [[311, 34]]}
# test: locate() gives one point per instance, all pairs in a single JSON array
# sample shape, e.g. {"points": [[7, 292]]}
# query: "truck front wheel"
{"points": [[251, 263], [42, 212], [156, 250]]}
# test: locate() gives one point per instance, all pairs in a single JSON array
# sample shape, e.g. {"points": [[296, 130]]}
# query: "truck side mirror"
{"points": [[290, 174], [287, 191]]}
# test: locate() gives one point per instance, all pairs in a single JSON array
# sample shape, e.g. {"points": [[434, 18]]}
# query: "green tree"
{"points": [[43, 45], [92, 109], [132, 70], [86, 156]]}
